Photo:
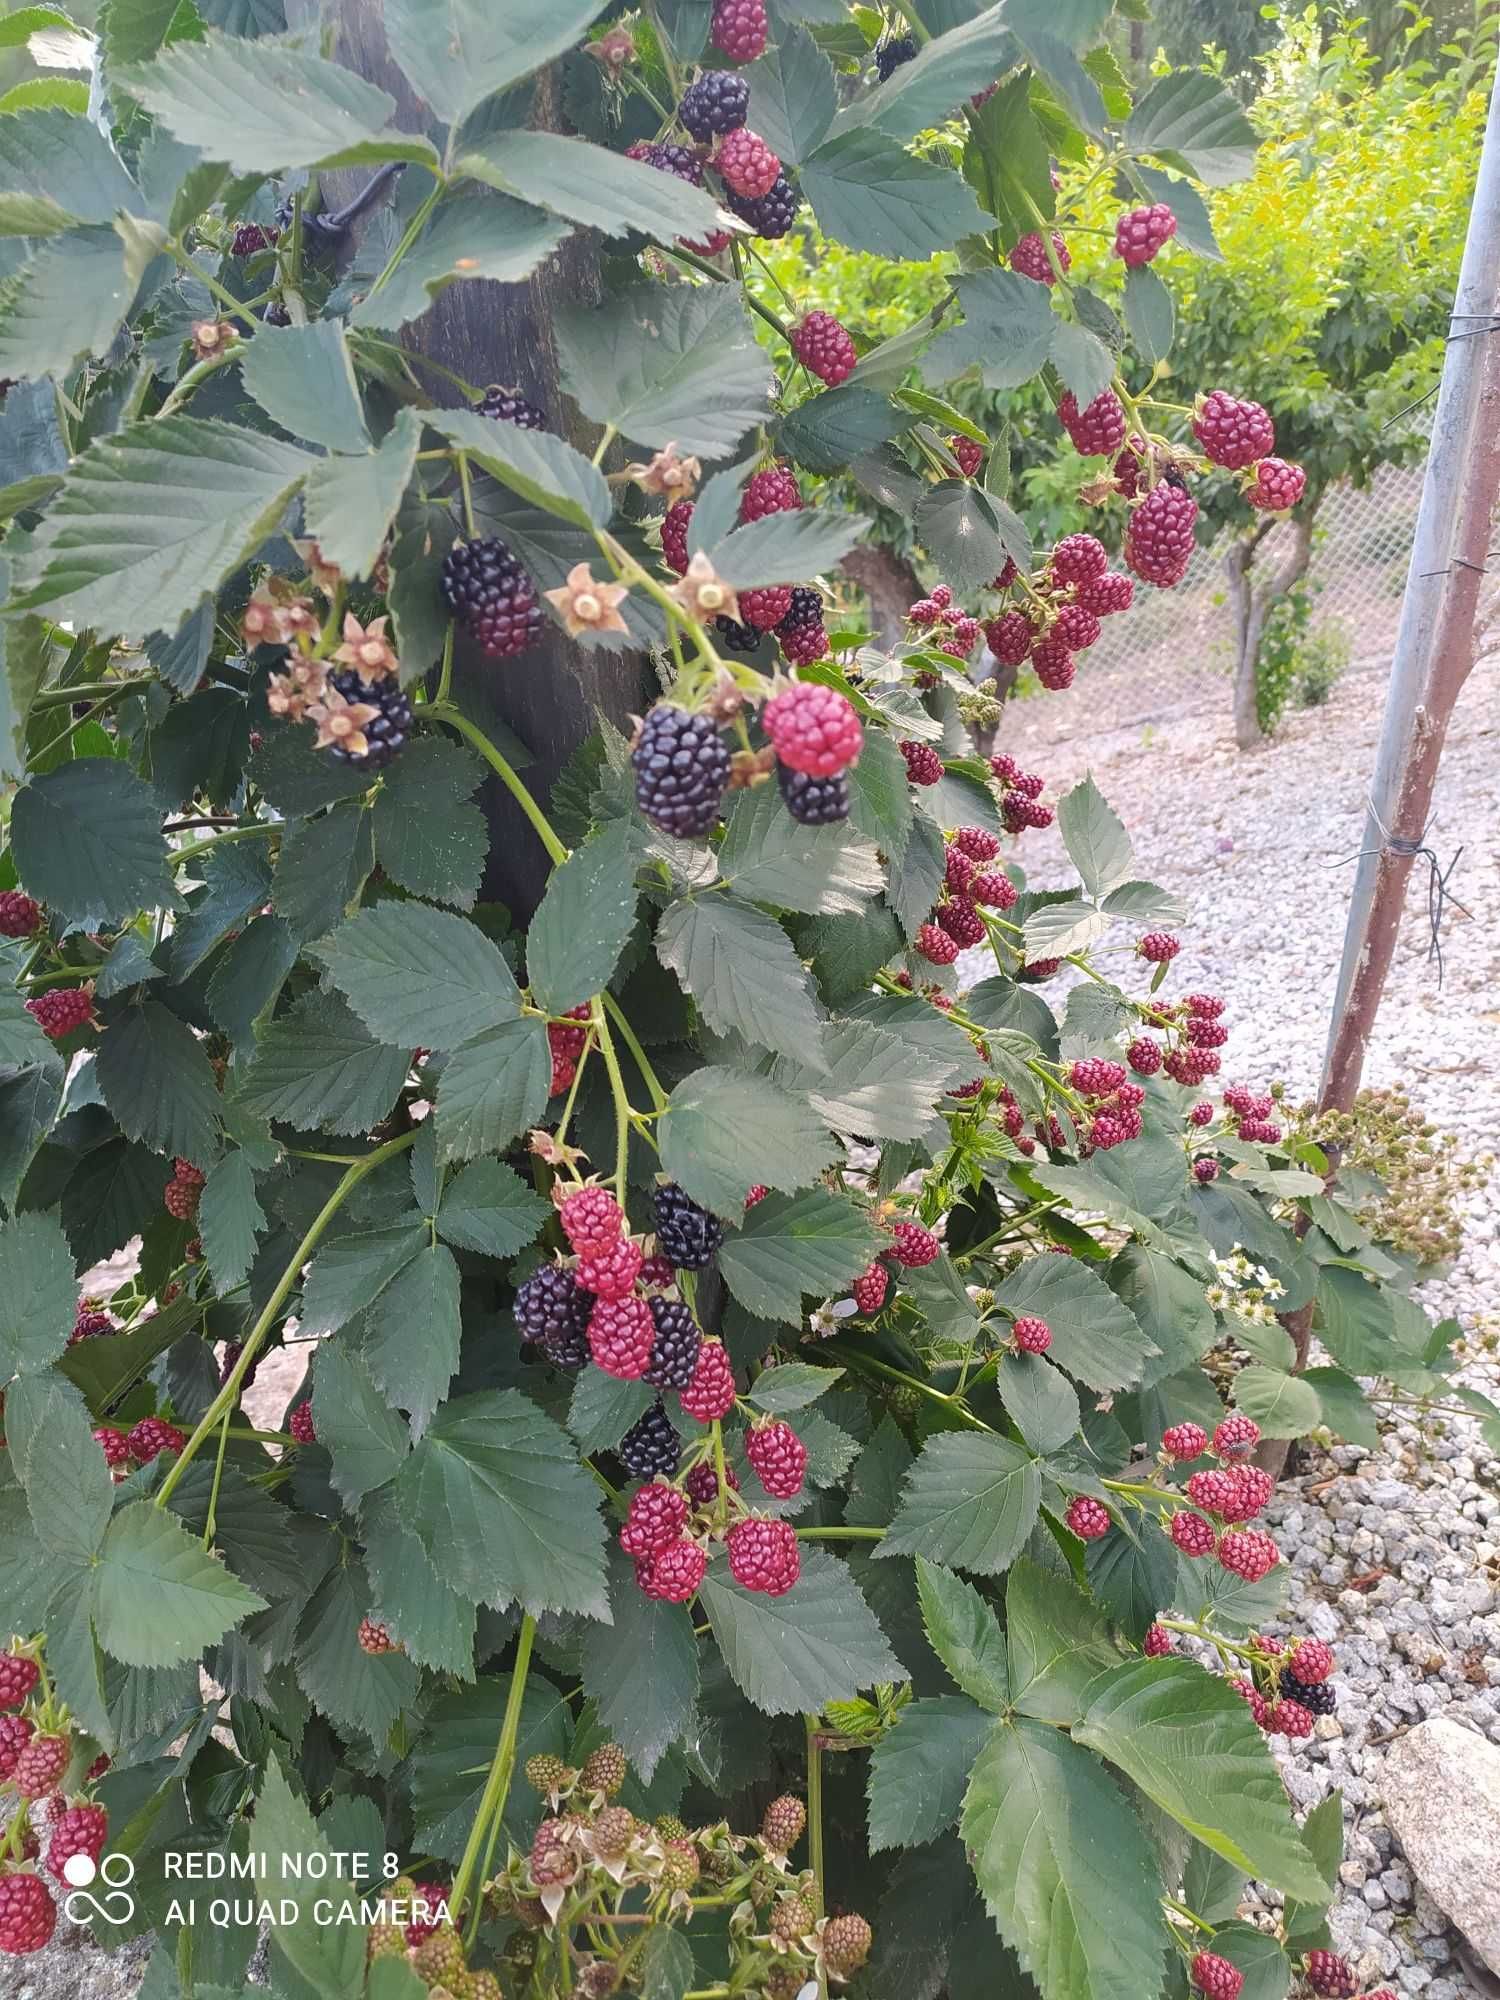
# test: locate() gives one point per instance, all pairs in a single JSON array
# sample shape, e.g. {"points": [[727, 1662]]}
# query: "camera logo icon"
{"points": [[116, 1905]]}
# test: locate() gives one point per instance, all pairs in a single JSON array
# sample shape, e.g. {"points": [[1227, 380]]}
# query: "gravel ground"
{"points": [[1395, 1553]]}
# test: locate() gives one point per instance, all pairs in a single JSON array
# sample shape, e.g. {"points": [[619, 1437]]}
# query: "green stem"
{"points": [[199, 372], [763, 311], [497, 1784], [213, 1498], [468, 493], [413, 231], [1013, 1223], [606, 439], [908, 12], [456, 719], [628, 1035], [840, 1534], [1191, 1916], [866, 1364], [445, 674], [815, 1810], [226, 299], [257, 830], [622, 1102], [64, 697], [228, 1396]]}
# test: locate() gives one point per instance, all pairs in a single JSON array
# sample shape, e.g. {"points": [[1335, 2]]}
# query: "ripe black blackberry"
{"points": [[387, 733], [552, 1309], [718, 102], [814, 801], [806, 610], [650, 1445], [681, 768], [506, 407], [1318, 1696], [679, 160], [739, 636], [674, 1352], [770, 215], [892, 54], [685, 1233], [487, 590]]}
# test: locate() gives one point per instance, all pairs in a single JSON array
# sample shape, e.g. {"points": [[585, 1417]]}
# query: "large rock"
{"points": [[1440, 1787]]}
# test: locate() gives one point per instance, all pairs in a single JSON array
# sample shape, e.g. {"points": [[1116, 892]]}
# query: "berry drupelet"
{"points": [[814, 801], [553, 1311], [489, 593]]}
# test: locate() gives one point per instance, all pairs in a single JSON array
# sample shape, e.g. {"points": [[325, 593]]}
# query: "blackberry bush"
{"points": [[627, 1129]]}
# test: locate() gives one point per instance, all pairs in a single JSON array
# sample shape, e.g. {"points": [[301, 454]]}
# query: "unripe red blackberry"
{"points": [[552, 1862], [1205, 1170], [20, 917], [750, 169], [923, 764], [778, 1458], [913, 1246], [16, 1731], [591, 1219], [1075, 628], [375, 1638], [963, 923], [1184, 1441], [774, 214], [28, 1915], [1191, 1533], [763, 1555], [1205, 1034], [61, 1011], [114, 1444], [1010, 637], [489, 593], [766, 607], [1114, 1128], [823, 346], [80, 1829], [1328, 1975], [1251, 1487], [300, 1425], [656, 1516], [1157, 1642], [1213, 1489], [1159, 539], [870, 1288], [1141, 232], [813, 728], [1232, 433], [505, 406], [935, 945], [611, 1273], [1189, 1065], [1158, 947], [42, 1761], [814, 801], [674, 1573], [1253, 1699], [1087, 1518], [1293, 1719], [710, 1394], [977, 842], [180, 1198], [782, 1823], [1097, 429], [1312, 1660], [1216, 1977], [152, 1436], [674, 1351], [1095, 1077], [611, 1831], [994, 890], [18, 1676], [674, 534], [962, 637], [1031, 1335], [1201, 1114], [1029, 257], [739, 29], [802, 644], [1236, 1436], [715, 103], [681, 769], [621, 1332], [1078, 559], [651, 1447], [1053, 663], [1105, 595], [552, 1311], [970, 455], [1278, 485], [1144, 1056], [772, 491], [1249, 1553], [846, 1944]]}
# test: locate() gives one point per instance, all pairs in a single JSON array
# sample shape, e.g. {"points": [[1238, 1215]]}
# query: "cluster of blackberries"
{"points": [[489, 593], [943, 624]]}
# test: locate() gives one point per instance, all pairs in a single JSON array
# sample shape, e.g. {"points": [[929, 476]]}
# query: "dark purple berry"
{"points": [[651, 1445], [674, 1351], [681, 769], [488, 591], [385, 734], [685, 1233], [814, 801], [717, 102]]}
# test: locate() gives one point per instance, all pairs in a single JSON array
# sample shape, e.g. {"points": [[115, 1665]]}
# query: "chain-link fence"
{"points": [[1173, 652]]}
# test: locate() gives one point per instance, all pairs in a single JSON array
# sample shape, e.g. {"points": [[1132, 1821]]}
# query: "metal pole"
{"points": [[1428, 574]]}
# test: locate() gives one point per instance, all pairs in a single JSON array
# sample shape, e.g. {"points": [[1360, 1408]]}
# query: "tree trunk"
{"points": [[891, 585], [489, 332], [1252, 606]]}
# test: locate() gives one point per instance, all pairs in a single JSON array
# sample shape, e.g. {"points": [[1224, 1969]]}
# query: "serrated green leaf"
{"points": [[603, 1408], [303, 378], [740, 967], [1283, 1405], [321, 867], [791, 1386], [349, 1274], [492, 1088], [38, 1293], [456, 53], [1082, 360], [317, 1065], [1039, 1400], [667, 366], [329, 1957], [249, 976], [789, 547], [1094, 1336], [229, 1220], [151, 518], [1095, 837], [766, 857], [415, 1373], [965, 1634], [723, 1132], [495, 1492], [870, 194], [434, 1624], [350, 503], [1064, 1866], [1057, 1644], [588, 912], [917, 874], [157, 1081], [457, 1746], [65, 165], [540, 468], [1191, 1744], [1192, 116], [235, 880], [361, 1693], [53, 1455], [488, 236], [814, 1242], [260, 107], [955, 522], [1150, 314], [366, 1440], [1006, 331], [592, 186], [969, 1502], [948, 68], [87, 842], [817, 1643], [488, 1208], [1343, 1406], [920, 1769], [66, 304], [868, 1083], [158, 1595], [641, 1672], [430, 836], [880, 804], [839, 425], [418, 976]]}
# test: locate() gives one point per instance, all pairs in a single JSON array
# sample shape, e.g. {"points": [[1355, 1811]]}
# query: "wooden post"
{"points": [[488, 332]]}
